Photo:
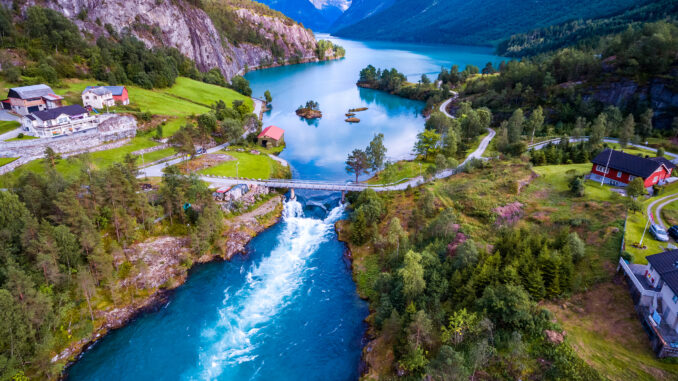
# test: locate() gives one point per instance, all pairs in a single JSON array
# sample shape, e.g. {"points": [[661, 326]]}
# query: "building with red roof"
{"points": [[271, 136]]}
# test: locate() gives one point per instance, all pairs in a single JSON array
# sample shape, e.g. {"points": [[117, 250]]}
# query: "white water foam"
{"points": [[266, 291]]}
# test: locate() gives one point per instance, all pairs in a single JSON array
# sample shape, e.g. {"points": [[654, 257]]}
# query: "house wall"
{"points": [[670, 307], [122, 99], [97, 101], [612, 174], [659, 175]]}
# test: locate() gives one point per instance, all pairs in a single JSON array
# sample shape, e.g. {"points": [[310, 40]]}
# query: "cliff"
{"points": [[191, 30]]}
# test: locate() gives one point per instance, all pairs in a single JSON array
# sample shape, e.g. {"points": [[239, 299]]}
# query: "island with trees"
{"points": [[310, 111]]}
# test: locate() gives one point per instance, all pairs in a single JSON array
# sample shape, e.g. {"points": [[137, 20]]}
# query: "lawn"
{"points": [[186, 97], [70, 167], [403, 170], [6, 160], [172, 126], [632, 150], [603, 328], [25, 137], [8, 125], [558, 176], [249, 166], [206, 94]]}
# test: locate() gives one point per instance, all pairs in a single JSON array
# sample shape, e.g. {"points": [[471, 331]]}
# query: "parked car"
{"points": [[673, 232], [659, 233], [200, 151]]}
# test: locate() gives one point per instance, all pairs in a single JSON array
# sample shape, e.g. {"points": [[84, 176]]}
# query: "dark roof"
{"points": [[30, 92], [666, 264], [631, 164], [664, 161], [55, 112], [116, 90]]}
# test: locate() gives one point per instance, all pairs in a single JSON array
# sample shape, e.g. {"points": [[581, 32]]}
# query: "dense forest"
{"points": [[585, 33]]}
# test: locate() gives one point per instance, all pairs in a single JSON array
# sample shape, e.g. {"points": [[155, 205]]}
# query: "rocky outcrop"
{"points": [[177, 24], [658, 94]]}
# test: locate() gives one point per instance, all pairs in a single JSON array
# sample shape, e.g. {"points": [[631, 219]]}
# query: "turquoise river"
{"points": [[288, 309]]}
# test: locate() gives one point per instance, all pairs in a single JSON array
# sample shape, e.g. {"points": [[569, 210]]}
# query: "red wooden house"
{"points": [[619, 168]]}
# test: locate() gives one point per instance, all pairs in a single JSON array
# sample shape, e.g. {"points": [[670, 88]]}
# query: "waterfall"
{"points": [[269, 287]]}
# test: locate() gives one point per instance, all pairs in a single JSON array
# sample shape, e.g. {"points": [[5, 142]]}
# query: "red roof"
{"points": [[272, 132]]}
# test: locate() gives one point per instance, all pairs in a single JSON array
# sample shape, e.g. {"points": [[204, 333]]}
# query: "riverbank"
{"points": [[167, 268], [288, 62]]}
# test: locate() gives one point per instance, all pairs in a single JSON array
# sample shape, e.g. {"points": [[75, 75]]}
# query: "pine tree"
{"points": [[627, 130]]}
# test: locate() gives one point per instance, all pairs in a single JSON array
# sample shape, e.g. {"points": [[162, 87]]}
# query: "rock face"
{"points": [[176, 23], [626, 94]]}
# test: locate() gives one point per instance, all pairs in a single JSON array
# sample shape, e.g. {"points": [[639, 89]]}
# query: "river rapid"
{"points": [[288, 309]]}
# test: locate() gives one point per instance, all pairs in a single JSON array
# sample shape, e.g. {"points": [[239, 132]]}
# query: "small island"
{"points": [[349, 114], [353, 120], [310, 111], [357, 109]]}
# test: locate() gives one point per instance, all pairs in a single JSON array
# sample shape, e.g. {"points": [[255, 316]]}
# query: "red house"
{"points": [[619, 168]]}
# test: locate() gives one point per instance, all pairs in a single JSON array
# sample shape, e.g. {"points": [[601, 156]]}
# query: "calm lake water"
{"points": [[289, 309]]}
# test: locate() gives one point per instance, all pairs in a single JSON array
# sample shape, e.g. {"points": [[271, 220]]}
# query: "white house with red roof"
{"points": [[271, 136]]}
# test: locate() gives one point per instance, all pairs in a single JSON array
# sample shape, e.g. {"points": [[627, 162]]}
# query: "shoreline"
{"points": [[287, 62], [158, 298]]}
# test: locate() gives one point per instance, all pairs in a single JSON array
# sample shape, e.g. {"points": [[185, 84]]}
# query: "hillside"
{"points": [[585, 32], [224, 34], [471, 22], [359, 10]]}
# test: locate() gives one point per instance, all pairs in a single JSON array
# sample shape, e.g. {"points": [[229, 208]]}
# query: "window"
{"points": [[654, 180], [631, 177], [619, 173], [675, 299], [602, 169]]}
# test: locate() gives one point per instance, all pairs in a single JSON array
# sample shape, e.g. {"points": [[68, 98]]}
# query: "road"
{"points": [[540, 145], [662, 203], [443, 107]]}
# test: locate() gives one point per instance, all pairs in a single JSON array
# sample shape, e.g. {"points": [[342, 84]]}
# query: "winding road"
{"points": [[657, 216]]}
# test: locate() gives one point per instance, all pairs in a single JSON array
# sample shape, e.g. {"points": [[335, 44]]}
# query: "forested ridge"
{"points": [[471, 22], [585, 33]]}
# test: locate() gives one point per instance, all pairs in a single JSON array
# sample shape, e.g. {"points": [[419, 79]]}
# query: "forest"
{"points": [[585, 34]]}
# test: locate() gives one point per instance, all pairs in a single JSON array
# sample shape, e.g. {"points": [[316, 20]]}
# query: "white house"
{"points": [[58, 121], [654, 288], [97, 97]]}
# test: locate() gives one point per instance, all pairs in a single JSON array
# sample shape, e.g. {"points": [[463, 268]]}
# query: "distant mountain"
{"points": [[318, 15], [584, 33], [359, 10], [477, 22]]}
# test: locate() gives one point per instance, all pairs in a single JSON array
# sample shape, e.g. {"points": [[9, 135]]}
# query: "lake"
{"points": [[288, 310]]}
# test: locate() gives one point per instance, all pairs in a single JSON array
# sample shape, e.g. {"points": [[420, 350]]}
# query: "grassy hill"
{"points": [[473, 22]]}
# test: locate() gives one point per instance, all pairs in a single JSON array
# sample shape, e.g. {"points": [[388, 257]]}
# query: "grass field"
{"points": [[206, 94], [605, 332], [25, 137], [6, 160], [249, 166], [8, 125], [186, 97], [404, 170], [70, 167], [558, 176]]}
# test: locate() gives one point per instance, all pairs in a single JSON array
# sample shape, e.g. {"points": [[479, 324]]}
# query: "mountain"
{"points": [[225, 34], [359, 10], [317, 17], [477, 22], [585, 32]]}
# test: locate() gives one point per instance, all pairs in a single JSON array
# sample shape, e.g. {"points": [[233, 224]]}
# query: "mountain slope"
{"points": [[359, 10], [253, 34], [472, 21], [585, 32], [302, 11]]}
